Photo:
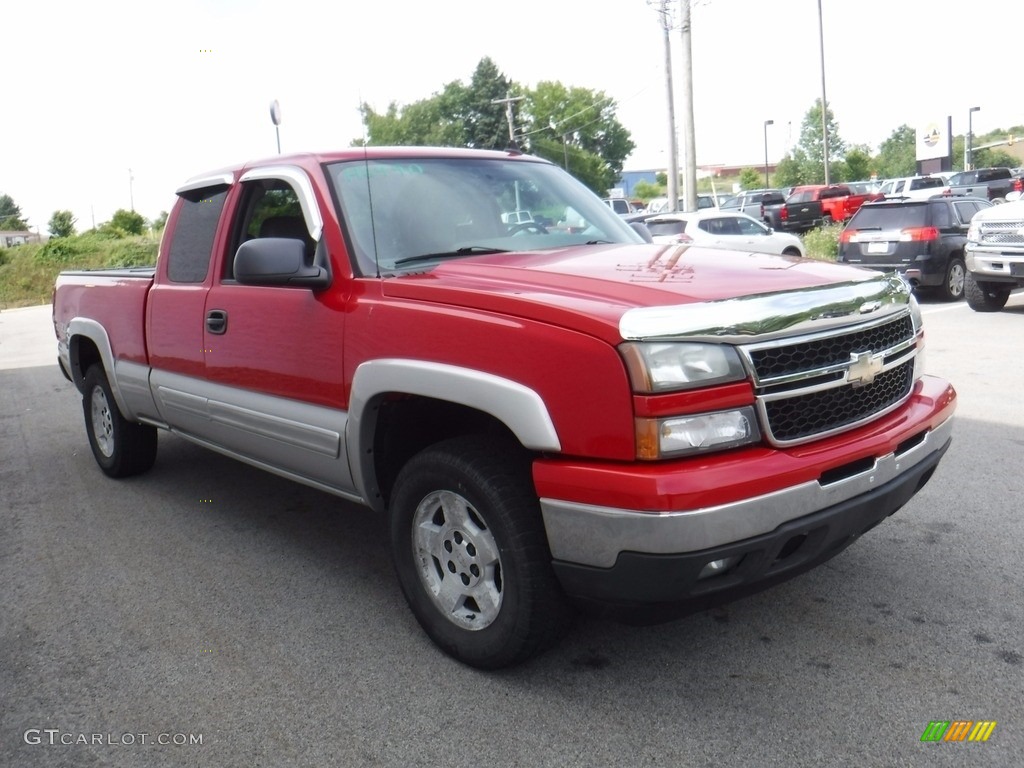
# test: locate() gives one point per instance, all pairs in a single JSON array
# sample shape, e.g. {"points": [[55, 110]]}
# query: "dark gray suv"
{"points": [[923, 240]]}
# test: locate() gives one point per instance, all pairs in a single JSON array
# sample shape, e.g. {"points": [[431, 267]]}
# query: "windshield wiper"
{"points": [[469, 250]]}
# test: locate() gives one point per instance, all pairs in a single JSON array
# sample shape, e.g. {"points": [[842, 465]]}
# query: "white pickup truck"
{"points": [[994, 256]]}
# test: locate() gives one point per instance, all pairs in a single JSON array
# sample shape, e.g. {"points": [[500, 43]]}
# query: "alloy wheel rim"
{"points": [[457, 560], [102, 422]]}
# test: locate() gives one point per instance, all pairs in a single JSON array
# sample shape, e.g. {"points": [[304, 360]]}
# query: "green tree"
{"points": [[422, 123], [750, 178], [10, 215], [574, 127], [858, 163], [790, 170], [994, 158], [62, 224], [812, 147], [159, 222], [485, 119], [646, 191], [897, 155], [128, 222], [584, 120]]}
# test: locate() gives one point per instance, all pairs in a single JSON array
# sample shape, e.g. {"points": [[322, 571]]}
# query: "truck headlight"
{"points": [[974, 233], [695, 433], [656, 367]]}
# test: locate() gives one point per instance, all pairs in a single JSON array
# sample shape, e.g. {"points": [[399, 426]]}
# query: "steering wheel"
{"points": [[527, 225]]}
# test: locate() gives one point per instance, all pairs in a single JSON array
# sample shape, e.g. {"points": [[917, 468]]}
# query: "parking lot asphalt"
{"points": [[248, 621]]}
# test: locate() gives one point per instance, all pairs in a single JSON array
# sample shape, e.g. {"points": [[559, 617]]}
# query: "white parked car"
{"points": [[721, 229]]}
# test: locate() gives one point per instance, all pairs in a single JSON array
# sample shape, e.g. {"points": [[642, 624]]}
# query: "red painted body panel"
{"points": [[698, 401], [117, 303], [282, 342], [590, 287], [581, 379], [707, 481]]}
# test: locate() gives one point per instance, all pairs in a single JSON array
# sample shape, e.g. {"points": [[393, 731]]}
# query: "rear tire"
{"points": [[471, 553], [122, 448], [952, 288], [985, 297]]}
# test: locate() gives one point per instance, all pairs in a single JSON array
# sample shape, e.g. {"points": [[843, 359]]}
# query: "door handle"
{"points": [[217, 321]]}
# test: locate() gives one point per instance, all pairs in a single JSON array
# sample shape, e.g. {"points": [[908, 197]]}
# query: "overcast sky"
{"points": [[171, 89]]}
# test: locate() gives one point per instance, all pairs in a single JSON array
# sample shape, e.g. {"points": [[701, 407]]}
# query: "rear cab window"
{"points": [[188, 258]]}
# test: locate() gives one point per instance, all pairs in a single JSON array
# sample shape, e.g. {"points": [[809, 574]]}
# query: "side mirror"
{"points": [[280, 261]]}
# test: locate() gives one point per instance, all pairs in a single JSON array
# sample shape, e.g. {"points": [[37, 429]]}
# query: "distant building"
{"points": [[629, 179], [10, 238]]}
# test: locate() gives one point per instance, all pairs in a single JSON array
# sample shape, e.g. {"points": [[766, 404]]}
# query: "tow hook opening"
{"points": [[790, 548]]}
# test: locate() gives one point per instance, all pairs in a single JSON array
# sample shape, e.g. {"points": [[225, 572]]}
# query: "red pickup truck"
{"points": [[548, 417], [838, 202]]}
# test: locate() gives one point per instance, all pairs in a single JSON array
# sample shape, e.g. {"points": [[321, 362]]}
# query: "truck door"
{"points": [[273, 360], [174, 308]]}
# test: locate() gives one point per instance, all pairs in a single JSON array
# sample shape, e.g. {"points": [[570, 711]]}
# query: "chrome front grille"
{"points": [[825, 383], [1001, 233]]}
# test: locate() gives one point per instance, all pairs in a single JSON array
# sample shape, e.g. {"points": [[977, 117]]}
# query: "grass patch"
{"points": [[28, 272]]}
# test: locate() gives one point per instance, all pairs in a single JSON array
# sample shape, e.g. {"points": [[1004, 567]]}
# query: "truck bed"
{"points": [[114, 299]]}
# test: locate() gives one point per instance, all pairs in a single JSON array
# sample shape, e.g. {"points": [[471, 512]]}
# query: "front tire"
{"points": [[122, 448], [985, 297], [471, 553]]}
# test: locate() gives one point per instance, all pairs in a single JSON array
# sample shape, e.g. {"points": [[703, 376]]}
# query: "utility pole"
{"points": [[673, 159], [510, 116], [689, 140], [824, 103], [131, 190]]}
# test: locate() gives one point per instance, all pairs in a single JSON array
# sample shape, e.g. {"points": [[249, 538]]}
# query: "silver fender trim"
{"points": [[518, 407]]}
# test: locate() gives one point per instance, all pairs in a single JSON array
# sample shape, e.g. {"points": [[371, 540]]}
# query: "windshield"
{"points": [[406, 213]]}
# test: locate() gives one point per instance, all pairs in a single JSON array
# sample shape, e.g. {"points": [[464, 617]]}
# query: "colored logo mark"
{"points": [[958, 730]]}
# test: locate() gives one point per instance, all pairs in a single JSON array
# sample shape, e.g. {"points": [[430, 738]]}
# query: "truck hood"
{"points": [[648, 291]]}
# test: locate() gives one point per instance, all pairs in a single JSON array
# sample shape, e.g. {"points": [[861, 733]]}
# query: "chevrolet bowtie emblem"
{"points": [[863, 368]]}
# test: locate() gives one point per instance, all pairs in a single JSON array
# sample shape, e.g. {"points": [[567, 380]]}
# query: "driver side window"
{"points": [[748, 227]]}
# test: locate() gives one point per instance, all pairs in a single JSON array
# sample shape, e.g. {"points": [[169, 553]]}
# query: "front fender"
{"points": [[518, 407]]}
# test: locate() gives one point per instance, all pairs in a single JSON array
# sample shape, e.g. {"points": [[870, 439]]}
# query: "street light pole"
{"points": [[766, 124], [969, 162], [824, 102]]}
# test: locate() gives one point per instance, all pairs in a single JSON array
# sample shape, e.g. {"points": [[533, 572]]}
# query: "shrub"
{"points": [[60, 250], [133, 252], [823, 242]]}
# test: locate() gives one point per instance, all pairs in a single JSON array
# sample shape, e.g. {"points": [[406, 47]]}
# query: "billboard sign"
{"points": [[933, 139]]}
